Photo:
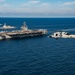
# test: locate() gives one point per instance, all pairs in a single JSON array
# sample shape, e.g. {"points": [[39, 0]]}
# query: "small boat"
{"points": [[61, 34]]}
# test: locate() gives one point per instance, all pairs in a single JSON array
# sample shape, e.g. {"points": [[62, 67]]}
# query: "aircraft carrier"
{"points": [[22, 33]]}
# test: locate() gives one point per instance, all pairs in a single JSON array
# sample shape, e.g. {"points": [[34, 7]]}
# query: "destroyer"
{"points": [[7, 27], [24, 32]]}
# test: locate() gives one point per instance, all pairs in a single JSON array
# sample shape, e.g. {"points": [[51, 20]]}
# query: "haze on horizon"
{"points": [[37, 8]]}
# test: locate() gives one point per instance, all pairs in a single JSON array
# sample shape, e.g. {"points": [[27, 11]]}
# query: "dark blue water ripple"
{"points": [[39, 55]]}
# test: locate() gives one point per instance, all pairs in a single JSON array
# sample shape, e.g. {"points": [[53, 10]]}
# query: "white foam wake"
{"points": [[69, 29]]}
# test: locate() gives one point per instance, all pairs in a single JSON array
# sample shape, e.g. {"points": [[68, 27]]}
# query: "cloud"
{"points": [[2, 0], [44, 4], [69, 3], [30, 3], [33, 2], [38, 8], [4, 6]]}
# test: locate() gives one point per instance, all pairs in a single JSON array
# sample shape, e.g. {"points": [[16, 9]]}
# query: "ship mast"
{"points": [[24, 27]]}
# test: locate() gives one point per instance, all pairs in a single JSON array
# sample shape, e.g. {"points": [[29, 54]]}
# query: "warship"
{"points": [[22, 33], [61, 34]]}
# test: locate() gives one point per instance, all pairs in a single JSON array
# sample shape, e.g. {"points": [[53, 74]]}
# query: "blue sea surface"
{"points": [[38, 55]]}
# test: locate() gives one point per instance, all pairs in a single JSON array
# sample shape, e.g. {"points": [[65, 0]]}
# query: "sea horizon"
{"points": [[37, 17]]}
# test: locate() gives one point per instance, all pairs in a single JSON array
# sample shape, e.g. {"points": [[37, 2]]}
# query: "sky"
{"points": [[37, 8]]}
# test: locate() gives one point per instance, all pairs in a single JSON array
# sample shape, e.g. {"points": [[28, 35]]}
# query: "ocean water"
{"points": [[38, 55]]}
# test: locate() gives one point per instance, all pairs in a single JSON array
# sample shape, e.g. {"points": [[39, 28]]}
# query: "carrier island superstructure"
{"points": [[22, 33]]}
